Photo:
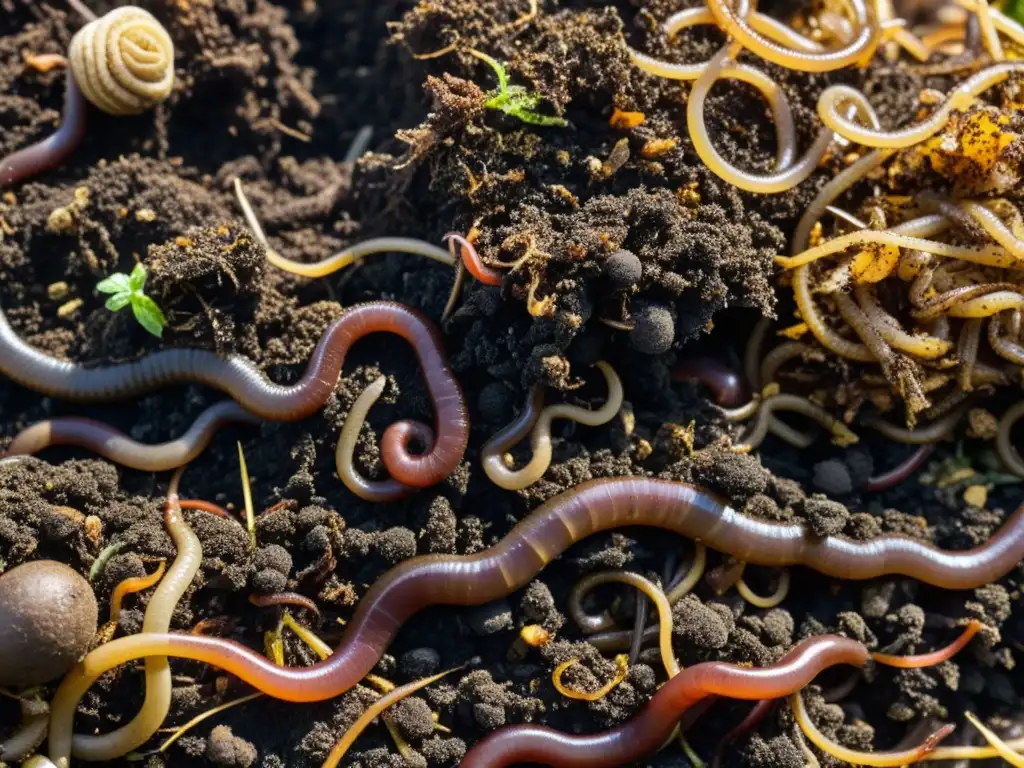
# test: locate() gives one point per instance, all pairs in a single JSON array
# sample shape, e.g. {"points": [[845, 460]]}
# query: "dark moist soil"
{"points": [[560, 199]]}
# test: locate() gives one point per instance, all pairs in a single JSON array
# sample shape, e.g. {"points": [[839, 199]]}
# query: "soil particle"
{"points": [[654, 329], [414, 718], [832, 477], [225, 749], [737, 476], [490, 618], [825, 517], [419, 663], [777, 752], [538, 606], [443, 752], [700, 625]]}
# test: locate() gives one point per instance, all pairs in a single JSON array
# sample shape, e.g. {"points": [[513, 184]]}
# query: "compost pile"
{"points": [[711, 298]]}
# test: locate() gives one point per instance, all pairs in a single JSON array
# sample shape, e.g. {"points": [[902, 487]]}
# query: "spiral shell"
{"points": [[123, 61]]}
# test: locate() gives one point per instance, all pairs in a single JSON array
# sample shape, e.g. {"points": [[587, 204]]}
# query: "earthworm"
{"points": [[990, 304], [918, 344], [35, 719], [829, 193], [123, 61], [942, 303], [759, 430], [238, 377], [988, 30], [733, 21], [826, 336], [647, 731], [967, 351], [1004, 346], [846, 755], [539, 420], [901, 471], [782, 115], [680, 585], [474, 264], [785, 177], [834, 97], [157, 619], [1000, 21], [371, 490], [753, 718], [930, 433], [644, 585], [594, 506], [778, 357], [989, 255], [284, 598], [56, 148], [759, 601], [1004, 439], [724, 577], [723, 381], [130, 586], [344, 257], [118, 447], [208, 507]]}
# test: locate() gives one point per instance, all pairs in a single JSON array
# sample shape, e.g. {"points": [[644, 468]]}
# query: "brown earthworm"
{"points": [[116, 446], [53, 150], [238, 377], [471, 259], [284, 598], [513, 562], [901, 471], [647, 731], [371, 490], [209, 507], [725, 383]]}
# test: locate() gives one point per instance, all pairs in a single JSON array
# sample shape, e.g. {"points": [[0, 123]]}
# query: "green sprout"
{"points": [[515, 100], [129, 289]]}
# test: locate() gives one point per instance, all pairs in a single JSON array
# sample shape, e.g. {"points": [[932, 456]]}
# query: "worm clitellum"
{"points": [[238, 377], [514, 561]]}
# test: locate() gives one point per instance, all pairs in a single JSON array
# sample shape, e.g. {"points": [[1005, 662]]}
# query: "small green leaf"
{"points": [[148, 314], [119, 301], [116, 283], [137, 281]]}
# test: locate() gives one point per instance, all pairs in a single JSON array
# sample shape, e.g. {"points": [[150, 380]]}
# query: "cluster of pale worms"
{"points": [[987, 289], [908, 309]]}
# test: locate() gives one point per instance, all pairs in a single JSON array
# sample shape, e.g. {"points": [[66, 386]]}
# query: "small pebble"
{"points": [[832, 477], [654, 331], [419, 663], [623, 269], [490, 618]]}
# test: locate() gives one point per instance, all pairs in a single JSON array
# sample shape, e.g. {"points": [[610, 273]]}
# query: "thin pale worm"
{"points": [[156, 705], [1004, 346], [759, 430], [53, 150], [1004, 439], [724, 382], [513, 562], [30, 733], [930, 433], [942, 303], [761, 601], [370, 490], [539, 421], [116, 446], [917, 344], [131, 586], [733, 21], [344, 257], [1000, 21], [240, 378], [835, 97]]}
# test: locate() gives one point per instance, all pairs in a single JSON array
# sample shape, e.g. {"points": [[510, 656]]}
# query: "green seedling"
{"points": [[515, 100], [130, 289]]}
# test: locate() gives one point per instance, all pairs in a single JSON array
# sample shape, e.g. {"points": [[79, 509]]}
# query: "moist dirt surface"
{"points": [[275, 94]]}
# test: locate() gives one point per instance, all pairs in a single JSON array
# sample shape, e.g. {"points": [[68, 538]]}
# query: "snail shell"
{"points": [[123, 61]]}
